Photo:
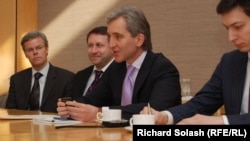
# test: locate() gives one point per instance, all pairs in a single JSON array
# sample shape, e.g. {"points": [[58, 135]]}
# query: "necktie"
{"points": [[35, 93], [128, 86], [96, 80]]}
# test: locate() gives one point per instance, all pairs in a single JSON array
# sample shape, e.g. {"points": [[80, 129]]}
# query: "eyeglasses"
{"points": [[38, 48]]}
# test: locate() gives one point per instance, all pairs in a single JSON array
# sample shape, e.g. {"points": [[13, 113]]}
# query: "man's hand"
{"points": [[62, 110], [160, 117], [202, 120], [81, 111]]}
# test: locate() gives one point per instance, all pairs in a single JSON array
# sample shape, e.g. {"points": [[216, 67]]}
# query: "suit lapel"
{"points": [[143, 72], [27, 86], [49, 84], [84, 79], [238, 81], [120, 70]]}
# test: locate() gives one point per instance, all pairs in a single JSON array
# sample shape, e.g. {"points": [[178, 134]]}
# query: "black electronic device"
{"points": [[115, 123], [64, 99]]}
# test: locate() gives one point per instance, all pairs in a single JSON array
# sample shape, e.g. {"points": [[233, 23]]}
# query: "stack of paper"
{"points": [[50, 119], [56, 120], [25, 116]]}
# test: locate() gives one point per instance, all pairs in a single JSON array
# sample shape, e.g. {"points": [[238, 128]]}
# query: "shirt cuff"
{"points": [[170, 117], [225, 120]]}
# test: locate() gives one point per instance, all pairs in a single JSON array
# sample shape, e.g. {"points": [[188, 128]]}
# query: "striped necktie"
{"points": [[95, 81]]}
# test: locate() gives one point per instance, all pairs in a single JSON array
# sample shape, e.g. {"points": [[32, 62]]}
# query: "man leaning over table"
{"points": [[228, 85], [155, 78]]}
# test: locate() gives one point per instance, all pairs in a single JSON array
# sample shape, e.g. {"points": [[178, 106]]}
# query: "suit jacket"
{"points": [[81, 79], [157, 83], [58, 84], [225, 86]]}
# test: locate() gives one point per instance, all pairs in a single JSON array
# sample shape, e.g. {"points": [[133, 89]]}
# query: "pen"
{"points": [[149, 109]]}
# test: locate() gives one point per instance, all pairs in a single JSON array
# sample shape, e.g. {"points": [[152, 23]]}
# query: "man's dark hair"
{"points": [[226, 6], [97, 30]]}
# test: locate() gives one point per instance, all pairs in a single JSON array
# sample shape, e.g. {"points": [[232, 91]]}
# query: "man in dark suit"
{"points": [[229, 84], [100, 55], [155, 78], [54, 83]]}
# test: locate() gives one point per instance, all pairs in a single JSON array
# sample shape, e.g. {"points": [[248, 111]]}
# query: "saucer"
{"points": [[129, 128]]}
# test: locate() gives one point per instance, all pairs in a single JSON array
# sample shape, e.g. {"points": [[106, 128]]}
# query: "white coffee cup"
{"points": [[109, 115], [142, 119]]}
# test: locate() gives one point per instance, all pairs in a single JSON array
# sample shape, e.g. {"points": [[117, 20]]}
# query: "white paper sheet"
{"points": [[26, 116]]}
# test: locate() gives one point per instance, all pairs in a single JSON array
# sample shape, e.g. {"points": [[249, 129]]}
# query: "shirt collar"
{"points": [[138, 62], [105, 67], [43, 71]]}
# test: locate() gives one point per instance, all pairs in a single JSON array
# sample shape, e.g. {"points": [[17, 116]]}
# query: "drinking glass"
{"points": [[186, 88]]}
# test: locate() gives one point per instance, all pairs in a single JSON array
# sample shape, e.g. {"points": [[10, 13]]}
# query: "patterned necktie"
{"points": [[128, 86], [95, 81], [35, 93]]}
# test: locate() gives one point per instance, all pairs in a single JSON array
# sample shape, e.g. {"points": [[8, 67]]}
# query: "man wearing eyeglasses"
{"points": [[53, 82]]}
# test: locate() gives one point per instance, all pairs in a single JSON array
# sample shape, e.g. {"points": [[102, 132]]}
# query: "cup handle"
{"points": [[131, 121], [99, 116]]}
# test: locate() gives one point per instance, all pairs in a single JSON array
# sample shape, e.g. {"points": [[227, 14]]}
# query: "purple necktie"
{"points": [[35, 93], [96, 80], [128, 86]]}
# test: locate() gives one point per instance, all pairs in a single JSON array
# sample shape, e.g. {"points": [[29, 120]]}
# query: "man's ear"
{"points": [[140, 39]]}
